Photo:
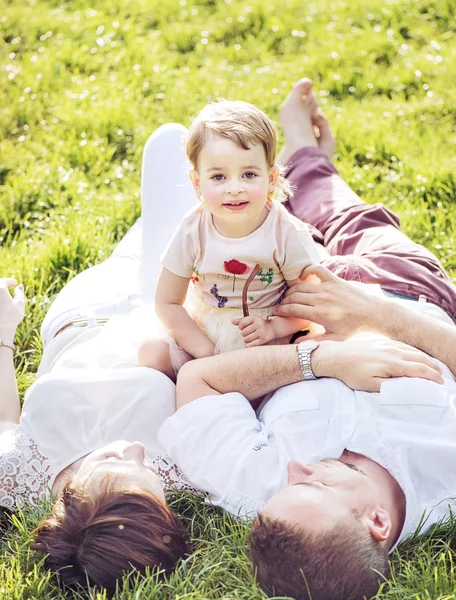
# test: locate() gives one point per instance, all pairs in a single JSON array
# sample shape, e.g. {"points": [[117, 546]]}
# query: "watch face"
{"points": [[308, 345]]}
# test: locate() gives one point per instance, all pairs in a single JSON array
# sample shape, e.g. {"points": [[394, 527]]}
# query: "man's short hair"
{"points": [[345, 563]]}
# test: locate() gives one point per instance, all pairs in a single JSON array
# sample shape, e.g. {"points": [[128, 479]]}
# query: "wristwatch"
{"points": [[304, 350], [7, 344]]}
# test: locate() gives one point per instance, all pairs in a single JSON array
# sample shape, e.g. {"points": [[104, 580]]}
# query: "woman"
{"points": [[88, 429]]}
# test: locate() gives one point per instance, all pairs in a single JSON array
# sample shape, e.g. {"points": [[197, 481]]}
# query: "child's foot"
{"points": [[296, 114], [325, 139]]}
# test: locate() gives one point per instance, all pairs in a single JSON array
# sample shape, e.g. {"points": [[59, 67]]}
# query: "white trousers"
{"points": [[129, 276]]}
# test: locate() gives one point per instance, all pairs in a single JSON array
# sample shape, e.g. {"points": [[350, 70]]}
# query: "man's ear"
{"points": [[195, 179], [379, 524]]}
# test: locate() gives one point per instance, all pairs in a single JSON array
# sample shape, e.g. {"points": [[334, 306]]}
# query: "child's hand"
{"points": [[255, 330]]}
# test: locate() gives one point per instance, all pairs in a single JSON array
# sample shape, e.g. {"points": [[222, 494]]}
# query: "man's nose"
{"points": [[298, 472], [134, 451]]}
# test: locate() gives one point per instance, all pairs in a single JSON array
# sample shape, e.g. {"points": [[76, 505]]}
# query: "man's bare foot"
{"points": [[296, 114], [325, 139]]}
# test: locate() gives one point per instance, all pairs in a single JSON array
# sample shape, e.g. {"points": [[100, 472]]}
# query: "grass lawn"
{"points": [[84, 84]]}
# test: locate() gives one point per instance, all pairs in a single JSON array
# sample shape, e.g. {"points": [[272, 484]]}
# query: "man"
{"points": [[338, 476]]}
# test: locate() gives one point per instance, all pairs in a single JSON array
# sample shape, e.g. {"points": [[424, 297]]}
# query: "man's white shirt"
{"points": [[240, 458]]}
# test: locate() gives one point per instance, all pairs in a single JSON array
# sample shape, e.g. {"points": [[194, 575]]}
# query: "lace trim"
{"points": [[24, 471], [172, 477]]}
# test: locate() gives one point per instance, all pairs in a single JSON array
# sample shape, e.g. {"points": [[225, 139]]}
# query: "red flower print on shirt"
{"points": [[235, 267]]}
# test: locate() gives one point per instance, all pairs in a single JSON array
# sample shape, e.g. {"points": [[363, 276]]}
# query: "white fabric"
{"points": [[241, 461], [91, 397], [219, 266], [129, 276], [167, 195], [89, 391], [24, 471]]}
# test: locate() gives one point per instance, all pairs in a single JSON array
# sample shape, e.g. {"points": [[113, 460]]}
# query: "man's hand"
{"points": [[12, 309], [255, 330], [342, 307], [364, 364]]}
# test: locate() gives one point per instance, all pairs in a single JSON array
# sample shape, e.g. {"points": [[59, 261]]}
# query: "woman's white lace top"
{"points": [[87, 395], [24, 471]]}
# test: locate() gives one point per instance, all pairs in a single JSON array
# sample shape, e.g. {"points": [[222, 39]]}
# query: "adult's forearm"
{"points": [[252, 372], [9, 398], [434, 337], [362, 364]]}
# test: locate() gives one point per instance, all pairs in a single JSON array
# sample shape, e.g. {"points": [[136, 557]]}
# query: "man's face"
{"points": [[322, 494]]}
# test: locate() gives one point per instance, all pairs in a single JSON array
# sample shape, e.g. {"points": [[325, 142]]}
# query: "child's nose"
{"points": [[235, 187]]}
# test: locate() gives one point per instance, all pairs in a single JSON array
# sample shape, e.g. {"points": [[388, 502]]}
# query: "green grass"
{"points": [[84, 84]]}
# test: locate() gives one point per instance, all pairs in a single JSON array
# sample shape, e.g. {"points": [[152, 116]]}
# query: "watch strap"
{"points": [[304, 357]]}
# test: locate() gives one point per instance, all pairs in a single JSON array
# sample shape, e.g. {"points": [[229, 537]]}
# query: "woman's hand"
{"points": [[340, 306], [364, 363], [12, 309]]}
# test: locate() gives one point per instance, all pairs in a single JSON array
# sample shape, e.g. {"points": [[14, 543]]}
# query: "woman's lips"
{"points": [[235, 206]]}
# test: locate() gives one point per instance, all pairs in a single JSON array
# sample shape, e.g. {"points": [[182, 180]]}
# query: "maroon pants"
{"points": [[364, 240]]}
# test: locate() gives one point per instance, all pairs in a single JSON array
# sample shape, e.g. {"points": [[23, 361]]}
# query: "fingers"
{"points": [[19, 294], [302, 294], [300, 311], [250, 329], [418, 369], [420, 357], [321, 272], [243, 322], [255, 342], [7, 282]]}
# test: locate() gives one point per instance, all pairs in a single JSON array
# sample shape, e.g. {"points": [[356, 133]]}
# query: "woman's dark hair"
{"points": [[94, 540]]}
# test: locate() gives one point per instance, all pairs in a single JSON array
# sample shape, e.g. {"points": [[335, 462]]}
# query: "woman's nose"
{"points": [[298, 472], [134, 451]]}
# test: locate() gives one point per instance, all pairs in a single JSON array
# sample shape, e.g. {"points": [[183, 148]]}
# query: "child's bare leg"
{"points": [[155, 355], [296, 114]]}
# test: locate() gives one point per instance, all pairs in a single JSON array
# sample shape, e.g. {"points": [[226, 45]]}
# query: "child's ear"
{"points": [[195, 179], [273, 175]]}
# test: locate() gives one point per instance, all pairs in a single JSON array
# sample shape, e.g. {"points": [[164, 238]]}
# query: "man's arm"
{"points": [[254, 372], [345, 309]]}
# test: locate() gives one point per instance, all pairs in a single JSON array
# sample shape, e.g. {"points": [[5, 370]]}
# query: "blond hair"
{"points": [[245, 125]]}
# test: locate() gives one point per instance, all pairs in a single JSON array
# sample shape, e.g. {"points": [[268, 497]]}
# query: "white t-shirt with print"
{"points": [[219, 266]]}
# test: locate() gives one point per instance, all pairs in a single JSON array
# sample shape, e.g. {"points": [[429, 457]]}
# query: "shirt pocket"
{"points": [[416, 400], [295, 398]]}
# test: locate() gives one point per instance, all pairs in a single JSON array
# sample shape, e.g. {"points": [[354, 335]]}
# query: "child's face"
{"points": [[234, 183]]}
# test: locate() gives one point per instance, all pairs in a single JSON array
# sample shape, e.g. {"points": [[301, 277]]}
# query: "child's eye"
{"points": [[218, 177], [250, 175]]}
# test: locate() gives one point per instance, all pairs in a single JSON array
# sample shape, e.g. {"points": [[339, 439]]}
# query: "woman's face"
{"points": [[124, 463]]}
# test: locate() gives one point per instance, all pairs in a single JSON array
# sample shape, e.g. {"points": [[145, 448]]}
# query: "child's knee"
{"points": [[155, 355]]}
